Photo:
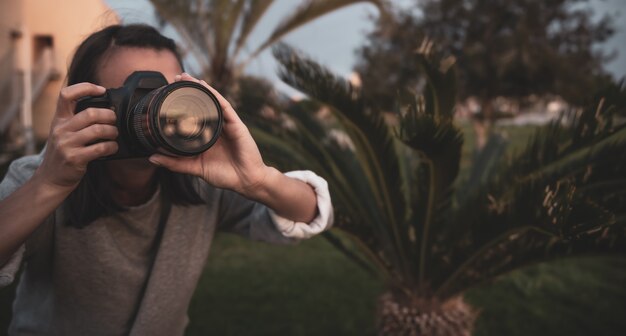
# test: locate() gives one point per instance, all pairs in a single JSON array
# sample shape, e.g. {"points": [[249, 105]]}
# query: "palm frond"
{"points": [[253, 13], [366, 127], [614, 96], [308, 11], [561, 195], [338, 243], [194, 23], [227, 16], [552, 200], [309, 146], [373, 141], [437, 140], [427, 128], [440, 92], [596, 230]]}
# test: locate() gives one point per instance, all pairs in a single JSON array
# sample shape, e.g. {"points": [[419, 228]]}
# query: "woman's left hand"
{"points": [[233, 162]]}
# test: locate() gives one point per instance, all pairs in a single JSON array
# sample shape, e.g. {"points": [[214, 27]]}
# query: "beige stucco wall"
{"points": [[68, 22], [10, 14], [10, 21]]}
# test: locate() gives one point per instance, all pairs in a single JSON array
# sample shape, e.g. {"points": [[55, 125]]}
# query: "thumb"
{"points": [[172, 163], [161, 160]]}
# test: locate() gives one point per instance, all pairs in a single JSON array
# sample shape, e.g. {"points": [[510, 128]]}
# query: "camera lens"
{"points": [[183, 118]]}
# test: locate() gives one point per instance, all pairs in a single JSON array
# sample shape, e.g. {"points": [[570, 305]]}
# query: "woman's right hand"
{"points": [[74, 141], [77, 139]]}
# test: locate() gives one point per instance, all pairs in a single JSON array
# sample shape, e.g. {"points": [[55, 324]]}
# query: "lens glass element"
{"points": [[188, 119]]}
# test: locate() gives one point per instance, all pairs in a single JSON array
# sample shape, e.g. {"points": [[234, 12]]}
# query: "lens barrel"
{"points": [[182, 119]]}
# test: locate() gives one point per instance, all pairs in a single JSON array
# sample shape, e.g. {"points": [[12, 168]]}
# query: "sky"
{"points": [[333, 39]]}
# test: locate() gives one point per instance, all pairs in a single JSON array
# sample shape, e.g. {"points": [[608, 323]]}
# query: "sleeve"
{"points": [[19, 172], [257, 222], [9, 270], [324, 218]]}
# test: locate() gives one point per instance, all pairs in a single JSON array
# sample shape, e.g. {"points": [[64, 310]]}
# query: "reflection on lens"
{"points": [[190, 126], [182, 118], [189, 119], [208, 133]]}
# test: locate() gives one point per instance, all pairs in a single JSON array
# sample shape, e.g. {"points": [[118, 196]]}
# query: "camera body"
{"points": [[178, 119], [120, 100]]}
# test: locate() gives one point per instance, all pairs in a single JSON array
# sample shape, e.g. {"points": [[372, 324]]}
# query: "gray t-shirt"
{"points": [[88, 281]]}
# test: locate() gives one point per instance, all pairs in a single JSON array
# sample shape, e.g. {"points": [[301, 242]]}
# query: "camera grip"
{"points": [[92, 101]]}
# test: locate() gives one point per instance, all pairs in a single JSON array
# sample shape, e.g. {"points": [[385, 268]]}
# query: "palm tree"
{"points": [[215, 32], [429, 234]]}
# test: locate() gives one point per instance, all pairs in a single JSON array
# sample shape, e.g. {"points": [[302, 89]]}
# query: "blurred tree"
{"points": [[431, 237], [382, 63], [255, 95], [216, 32], [259, 105], [510, 49], [518, 48]]}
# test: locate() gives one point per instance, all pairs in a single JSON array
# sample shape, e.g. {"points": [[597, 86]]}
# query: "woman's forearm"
{"points": [[24, 210], [288, 197]]}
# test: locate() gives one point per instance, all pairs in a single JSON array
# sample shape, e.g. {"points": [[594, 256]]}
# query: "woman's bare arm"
{"points": [[23, 211]]}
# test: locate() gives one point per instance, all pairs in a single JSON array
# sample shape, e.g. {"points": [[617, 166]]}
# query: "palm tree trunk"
{"points": [[399, 315]]}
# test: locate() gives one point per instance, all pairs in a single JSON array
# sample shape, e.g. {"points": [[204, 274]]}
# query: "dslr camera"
{"points": [[179, 119]]}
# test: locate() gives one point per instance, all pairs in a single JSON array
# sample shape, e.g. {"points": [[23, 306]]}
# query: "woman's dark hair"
{"points": [[92, 198]]}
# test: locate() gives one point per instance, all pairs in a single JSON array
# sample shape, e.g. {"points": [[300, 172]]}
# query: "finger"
{"points": [[70, 94], [176, 164], [230, 115], [187, 77], [93, 133], [96, 151], [91, 116]]}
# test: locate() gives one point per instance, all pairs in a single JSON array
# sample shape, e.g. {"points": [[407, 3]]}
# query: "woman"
{"points": [[117, 247]]}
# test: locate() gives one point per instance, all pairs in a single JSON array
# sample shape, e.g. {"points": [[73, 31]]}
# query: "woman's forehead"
{"points": [[120, 62]]}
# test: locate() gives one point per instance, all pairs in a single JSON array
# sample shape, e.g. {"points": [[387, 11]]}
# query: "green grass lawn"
{"points": [[583, 296], [251, 288]]}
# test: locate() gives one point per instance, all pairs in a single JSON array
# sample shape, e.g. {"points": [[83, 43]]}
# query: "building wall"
{"points": [[69, 21], [10, 13], [63, 22], [10, 17]]}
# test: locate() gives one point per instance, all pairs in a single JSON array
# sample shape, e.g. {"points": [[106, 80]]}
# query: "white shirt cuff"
{"points": [[325, 214]]}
